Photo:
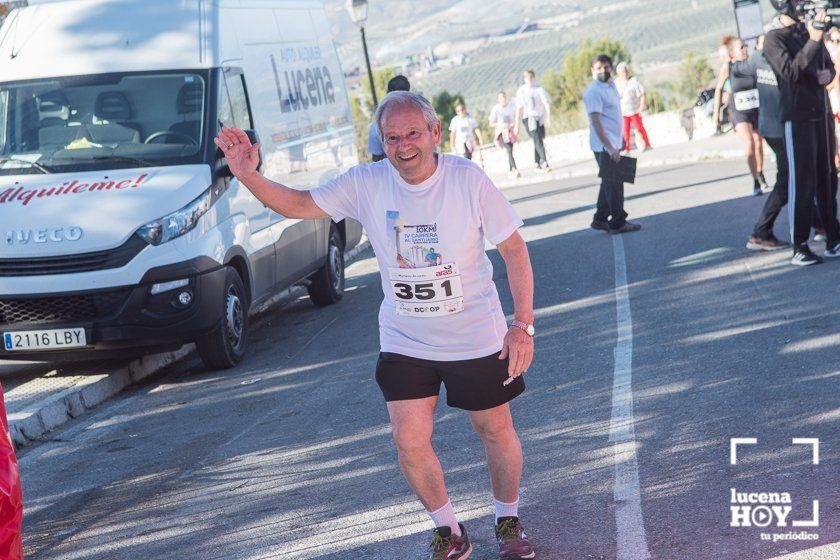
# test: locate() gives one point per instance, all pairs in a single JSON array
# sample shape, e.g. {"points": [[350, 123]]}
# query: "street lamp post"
{"points": [[358, 13]]}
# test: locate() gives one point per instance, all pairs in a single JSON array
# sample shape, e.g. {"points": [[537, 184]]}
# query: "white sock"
{"points": [[506, 510], [445, 517]]}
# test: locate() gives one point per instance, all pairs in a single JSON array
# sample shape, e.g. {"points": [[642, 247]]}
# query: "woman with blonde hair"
{"points": [[743, 106]]}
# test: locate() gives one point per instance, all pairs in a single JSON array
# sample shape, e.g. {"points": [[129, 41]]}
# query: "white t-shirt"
{"points": [[532, 101], [631, 94], [463, 128], [603, 98], [441, 221], [502, 117]]}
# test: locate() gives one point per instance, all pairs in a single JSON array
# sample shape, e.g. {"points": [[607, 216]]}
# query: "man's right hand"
{"points": [[615, 154], [243, 158], [815, 34]]}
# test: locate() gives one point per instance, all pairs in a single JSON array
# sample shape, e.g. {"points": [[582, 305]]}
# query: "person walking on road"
{"points": [[633, 104], [374, 145], [463, 130], [437, 322], [533, 110], [743, 107], [503, 122], [803, 67], [772, 129], [603, 105]]}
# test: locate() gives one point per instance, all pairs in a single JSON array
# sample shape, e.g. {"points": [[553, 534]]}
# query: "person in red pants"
{"points": [[11, 495], [633, 103]]}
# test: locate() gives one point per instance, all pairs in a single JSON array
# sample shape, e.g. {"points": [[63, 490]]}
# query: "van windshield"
{"points": [[102, 121]]}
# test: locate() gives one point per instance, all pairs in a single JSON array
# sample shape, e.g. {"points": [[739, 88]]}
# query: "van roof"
{"points": [[81, 37]]}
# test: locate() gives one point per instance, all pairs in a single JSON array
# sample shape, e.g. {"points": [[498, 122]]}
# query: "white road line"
{"points": [[631, 541]]}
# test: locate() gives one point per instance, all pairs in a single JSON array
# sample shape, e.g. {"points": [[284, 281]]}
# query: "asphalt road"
{"points": [[626, 423]]}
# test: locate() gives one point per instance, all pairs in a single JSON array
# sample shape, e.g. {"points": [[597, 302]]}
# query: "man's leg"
{"points": [[412, 423], [826, 181], [533, 135], [778, 198], [614, 191], [503, 450], [602, 209], [539, 144], [800, 140]]}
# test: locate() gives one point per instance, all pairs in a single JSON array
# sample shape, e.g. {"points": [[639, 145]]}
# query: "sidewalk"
{"points": [[716, 147]]}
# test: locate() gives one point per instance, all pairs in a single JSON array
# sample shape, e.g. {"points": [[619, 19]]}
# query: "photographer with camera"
{"points": [[798, 56]]}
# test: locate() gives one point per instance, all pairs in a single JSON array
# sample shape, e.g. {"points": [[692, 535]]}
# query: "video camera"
{"points": [[809, 10]]}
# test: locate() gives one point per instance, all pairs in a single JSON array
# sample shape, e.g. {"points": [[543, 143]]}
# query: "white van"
{"points": [[121, 228]]}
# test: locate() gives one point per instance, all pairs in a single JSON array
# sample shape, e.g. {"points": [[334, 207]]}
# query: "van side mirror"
{"points": [[255, 139]]}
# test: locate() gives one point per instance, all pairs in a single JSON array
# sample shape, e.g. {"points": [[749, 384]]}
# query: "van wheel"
{"points": [[224, 346], [327, 285]]}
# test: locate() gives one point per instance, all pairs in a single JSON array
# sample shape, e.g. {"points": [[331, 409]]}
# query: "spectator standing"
{"points": [[743, 107], [603, 105], [374, 145], [533, 110], [803, 68], [633, 103], [773, 130], [503, 122], [463, 130]]}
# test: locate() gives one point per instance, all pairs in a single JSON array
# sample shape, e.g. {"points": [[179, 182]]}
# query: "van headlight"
{"points": [[178, 223]]}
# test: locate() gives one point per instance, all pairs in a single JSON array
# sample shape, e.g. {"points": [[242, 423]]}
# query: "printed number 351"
{"points": [[422, 292]]}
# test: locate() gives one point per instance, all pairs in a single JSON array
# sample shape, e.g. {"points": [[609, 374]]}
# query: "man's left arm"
{"points": [[518, 345]]}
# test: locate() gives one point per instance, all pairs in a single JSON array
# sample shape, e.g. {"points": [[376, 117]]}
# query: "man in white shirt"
{"points": [[533, 109], [603, 105], [463, 129], [427, 216]]}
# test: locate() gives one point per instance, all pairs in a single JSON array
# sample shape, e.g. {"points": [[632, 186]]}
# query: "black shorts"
{"points": [[470, 384], [737, 117]]}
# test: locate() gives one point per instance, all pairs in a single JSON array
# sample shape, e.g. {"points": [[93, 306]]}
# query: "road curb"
{"points": [[42, 417]]}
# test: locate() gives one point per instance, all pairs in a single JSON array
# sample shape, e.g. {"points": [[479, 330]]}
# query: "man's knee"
{"points": [[410, 440], [496, 428]]}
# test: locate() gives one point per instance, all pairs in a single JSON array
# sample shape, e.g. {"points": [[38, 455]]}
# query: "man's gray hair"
{"points": [[405, 100]]}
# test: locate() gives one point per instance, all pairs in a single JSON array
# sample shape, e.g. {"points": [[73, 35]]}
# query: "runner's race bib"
{"points": [[427, 292], [746, 100]]}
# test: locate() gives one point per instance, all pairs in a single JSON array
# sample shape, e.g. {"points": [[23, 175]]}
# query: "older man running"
{"points": [[441, 319]]}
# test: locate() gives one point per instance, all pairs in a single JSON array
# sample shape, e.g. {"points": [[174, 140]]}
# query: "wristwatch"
{"points": [[525, 327]]}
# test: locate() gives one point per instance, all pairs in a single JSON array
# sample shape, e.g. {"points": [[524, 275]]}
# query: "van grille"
{"points": [[67, 264], [80, 307]]}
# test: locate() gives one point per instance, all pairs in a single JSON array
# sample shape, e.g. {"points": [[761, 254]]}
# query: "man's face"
{"points": [[460, 110], [502, 99], [528, 79], [410, 143], [599, 67]]}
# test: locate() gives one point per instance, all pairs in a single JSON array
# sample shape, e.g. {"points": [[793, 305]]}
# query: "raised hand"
{"points": [[242, 157]]}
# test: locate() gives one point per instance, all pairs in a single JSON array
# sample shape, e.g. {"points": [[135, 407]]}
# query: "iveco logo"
{"points": [[49, 235]]}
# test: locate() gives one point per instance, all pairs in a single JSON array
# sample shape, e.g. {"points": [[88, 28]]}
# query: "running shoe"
{"points": [[446, 546], [763, 182], [769, 244], [602, 225], [819, 235], [513, 542], [628, 227], [804, 257], [832, 252]]}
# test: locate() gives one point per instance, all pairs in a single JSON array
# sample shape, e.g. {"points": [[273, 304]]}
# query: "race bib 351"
{"points": [[434, 291]]}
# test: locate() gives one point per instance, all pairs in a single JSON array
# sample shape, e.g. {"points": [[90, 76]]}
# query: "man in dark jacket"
{"points": [[772, 129], [803, 68]]}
